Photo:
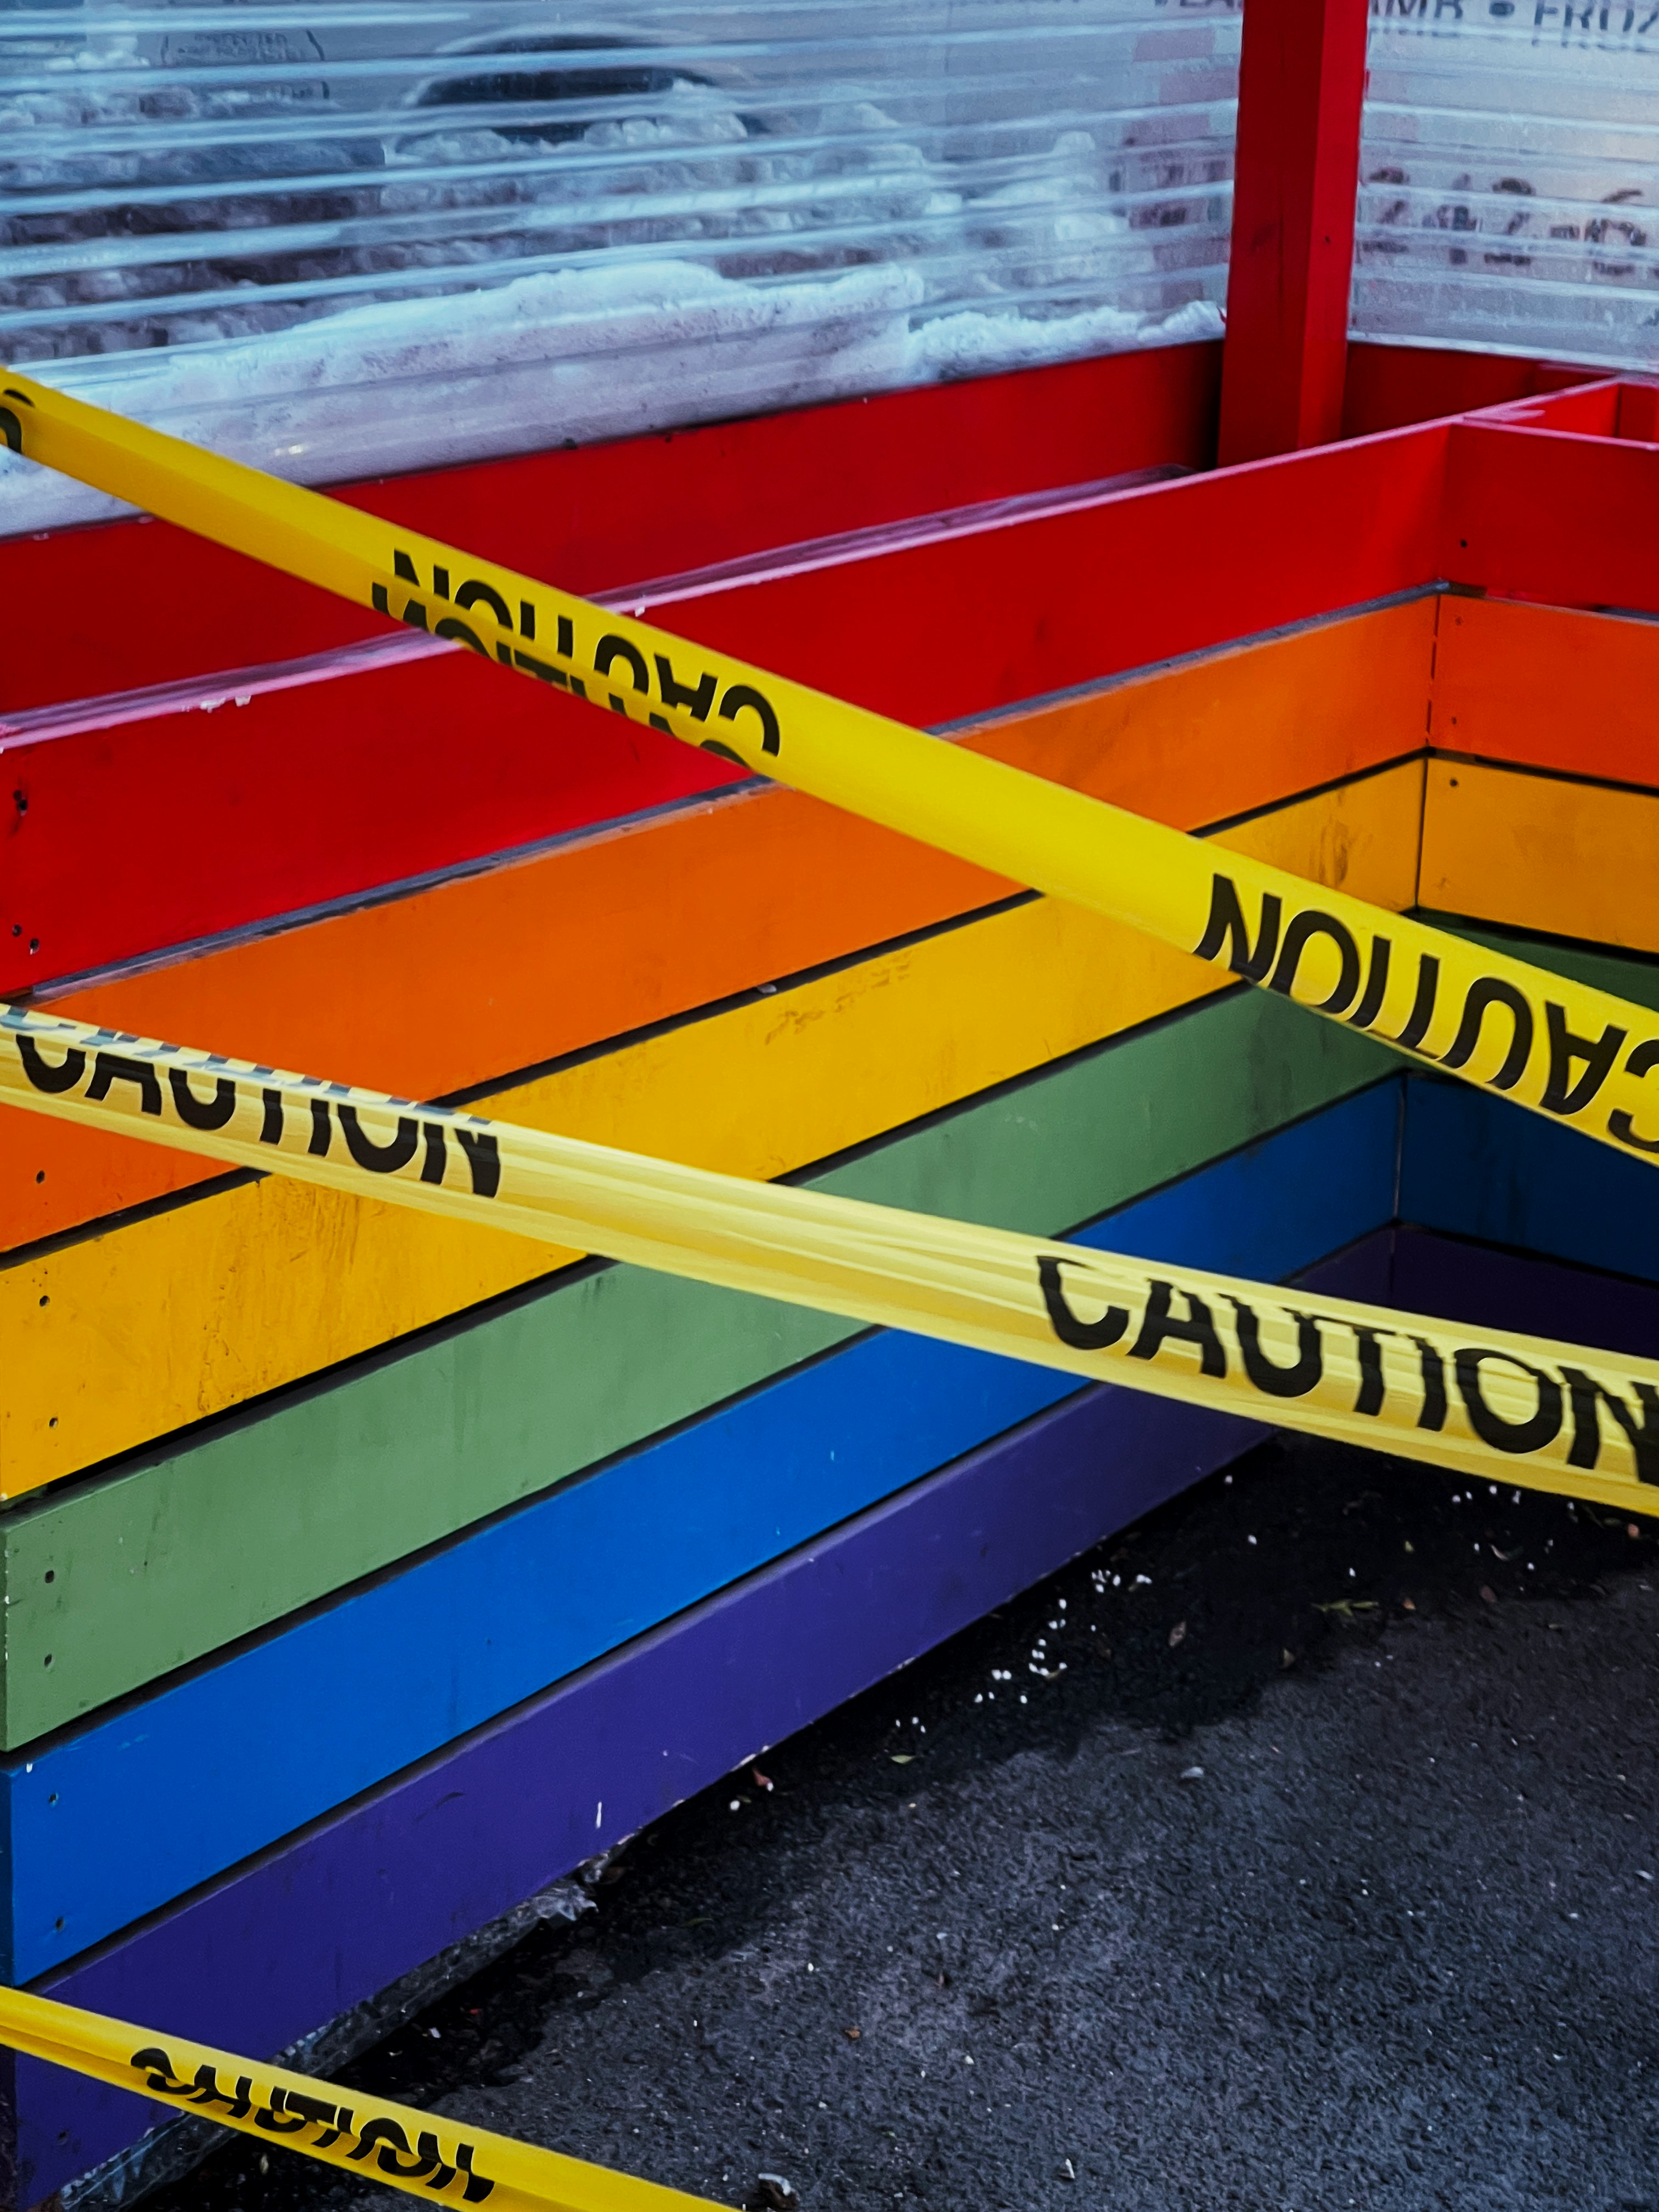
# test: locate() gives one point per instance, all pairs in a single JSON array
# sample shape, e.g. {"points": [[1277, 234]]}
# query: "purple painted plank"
{"points": [[1493, 1289]]}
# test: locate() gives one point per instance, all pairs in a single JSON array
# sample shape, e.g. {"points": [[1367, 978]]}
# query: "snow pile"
{"points": [[551, 360], [328, 298]]}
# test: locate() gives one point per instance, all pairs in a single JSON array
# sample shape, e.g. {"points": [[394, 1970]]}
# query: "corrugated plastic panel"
{"points": [[1510, 178], [378, 235]]}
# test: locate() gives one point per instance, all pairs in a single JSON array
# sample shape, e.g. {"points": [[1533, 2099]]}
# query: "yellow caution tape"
{"points": [[1580, 1056], [441, 2159], [1512, 1407]]}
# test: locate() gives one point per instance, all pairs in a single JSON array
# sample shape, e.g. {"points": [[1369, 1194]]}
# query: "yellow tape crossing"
{"points": [[1546, 1414], [1581, 1056], [1516, 1408]]}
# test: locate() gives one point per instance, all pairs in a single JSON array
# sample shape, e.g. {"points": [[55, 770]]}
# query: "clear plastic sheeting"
{"points": [[389, 233], [1510, 178]]}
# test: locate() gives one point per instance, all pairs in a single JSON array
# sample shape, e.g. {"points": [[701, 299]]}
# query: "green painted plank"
{"points": [[180, 1550]]}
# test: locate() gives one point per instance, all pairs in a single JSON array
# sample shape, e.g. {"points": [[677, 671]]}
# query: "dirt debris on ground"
{"points": [[1344, 1895]]}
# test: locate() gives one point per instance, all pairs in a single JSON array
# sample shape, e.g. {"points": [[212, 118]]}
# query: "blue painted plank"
{"points": [[129, 1812], [1472, 1164]]}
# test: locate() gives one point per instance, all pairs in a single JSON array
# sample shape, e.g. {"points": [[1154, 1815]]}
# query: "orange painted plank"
{"points": [[1205, 740], [1548, 687], [612, 933], [269, 1282]]}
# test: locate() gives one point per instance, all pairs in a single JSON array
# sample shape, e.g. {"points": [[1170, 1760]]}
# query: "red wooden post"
{"points": [[1302, 83]]}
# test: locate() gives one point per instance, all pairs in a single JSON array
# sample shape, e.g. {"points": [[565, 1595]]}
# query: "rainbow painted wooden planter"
{"points": [[359, 1576]]}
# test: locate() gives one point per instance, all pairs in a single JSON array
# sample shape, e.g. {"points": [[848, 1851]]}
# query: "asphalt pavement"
{"points": [[1296, 1849]]}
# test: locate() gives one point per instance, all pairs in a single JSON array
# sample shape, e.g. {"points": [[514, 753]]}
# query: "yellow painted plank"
{"points": [[126, 1336], [1540, 852]]}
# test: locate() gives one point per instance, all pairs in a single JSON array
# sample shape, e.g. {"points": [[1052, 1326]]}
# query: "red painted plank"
{"points": [[1638, 412], [945, 631], [125, 604], [1590, 410], [1545, 514], [121, 842], [129, 839], [1389, 386], [1296, 173]]}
